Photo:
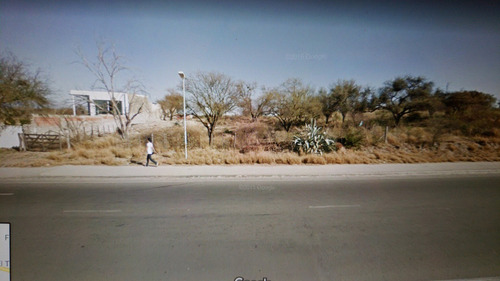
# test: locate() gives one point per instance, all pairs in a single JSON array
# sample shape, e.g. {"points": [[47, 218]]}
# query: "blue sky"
{"points": [[454, 43]]}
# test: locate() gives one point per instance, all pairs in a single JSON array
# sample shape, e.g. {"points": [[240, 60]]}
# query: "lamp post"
{"points": [[181, 74]]}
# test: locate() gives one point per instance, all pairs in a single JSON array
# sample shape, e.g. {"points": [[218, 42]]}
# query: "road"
{"points": [[317, 228]]}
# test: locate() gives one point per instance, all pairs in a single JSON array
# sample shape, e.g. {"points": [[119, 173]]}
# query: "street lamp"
{"points": [[181, 74]]}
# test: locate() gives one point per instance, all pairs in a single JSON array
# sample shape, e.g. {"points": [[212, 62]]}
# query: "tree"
{"points": [[171, 104], [345, 96], [468, 104], [21, 92], [252, 106], [211, 96], [436, 102], [361, 104], [471, 112], [403, 95], [293, 104], [328, 104], [108, 67]]}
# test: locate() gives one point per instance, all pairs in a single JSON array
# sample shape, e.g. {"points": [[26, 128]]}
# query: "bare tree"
{"points": [[107, 67], [211, 96], [171, 104], [249, 103]]}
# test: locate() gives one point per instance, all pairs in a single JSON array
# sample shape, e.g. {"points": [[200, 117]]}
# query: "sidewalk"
{"points": [[255, 171]]}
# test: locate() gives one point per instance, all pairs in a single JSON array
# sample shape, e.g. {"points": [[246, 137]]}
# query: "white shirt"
{"points": [[150, 147]]}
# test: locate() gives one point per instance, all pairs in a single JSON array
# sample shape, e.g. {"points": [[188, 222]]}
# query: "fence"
{"points": [[41, 142]]}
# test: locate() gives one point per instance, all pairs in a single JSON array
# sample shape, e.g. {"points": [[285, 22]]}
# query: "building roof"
{"points": [[99, 95]]}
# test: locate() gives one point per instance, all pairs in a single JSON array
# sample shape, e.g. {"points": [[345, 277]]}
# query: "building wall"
{"points": [[88, 125], [100, 96], [9, 136]]}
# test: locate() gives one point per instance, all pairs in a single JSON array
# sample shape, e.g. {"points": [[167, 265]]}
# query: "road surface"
{"points": [[300, 228]]}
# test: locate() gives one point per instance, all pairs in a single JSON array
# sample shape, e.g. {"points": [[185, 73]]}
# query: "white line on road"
{"points": [[334, 206], [92, 211], [6, 194]]}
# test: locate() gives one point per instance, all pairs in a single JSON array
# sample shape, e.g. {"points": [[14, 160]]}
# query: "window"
{"points": [[106, 106]]}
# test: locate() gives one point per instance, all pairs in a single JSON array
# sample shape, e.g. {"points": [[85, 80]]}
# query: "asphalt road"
{"points": [[438, 228]]}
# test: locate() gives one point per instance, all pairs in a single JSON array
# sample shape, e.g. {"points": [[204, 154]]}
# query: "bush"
{"points": [[254, 136], [354, 138]]}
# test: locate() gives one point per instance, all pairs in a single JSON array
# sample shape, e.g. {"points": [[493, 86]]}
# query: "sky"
{"points": [[455, 44]]}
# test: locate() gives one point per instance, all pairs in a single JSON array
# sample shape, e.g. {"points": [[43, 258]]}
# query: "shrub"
{"points": [[252, 134], [354, 138], [284, 140]]}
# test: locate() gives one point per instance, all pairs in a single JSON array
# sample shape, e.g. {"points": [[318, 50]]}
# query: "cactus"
{"points": [[314, 141]]}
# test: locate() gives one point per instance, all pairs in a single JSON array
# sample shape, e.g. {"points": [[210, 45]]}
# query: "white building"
{"points": [[97, 103]]}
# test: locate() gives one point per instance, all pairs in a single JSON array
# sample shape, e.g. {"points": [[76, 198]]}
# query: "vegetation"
{"points": [[404, 121], [108, 68], [21, 92], [293, 103], [211, 96], [314, 141], [171, 104], [403, 96], [251, 105], [241, 141], [346, 96]]}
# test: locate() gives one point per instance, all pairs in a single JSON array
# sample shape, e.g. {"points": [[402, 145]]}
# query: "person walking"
{"points": [[150, 149]]}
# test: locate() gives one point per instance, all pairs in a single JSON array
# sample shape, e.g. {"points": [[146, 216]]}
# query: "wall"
{"points": [[81, 124], [62, 124], [9, 136]]}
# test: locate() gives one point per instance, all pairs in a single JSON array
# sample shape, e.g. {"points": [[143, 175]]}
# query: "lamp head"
{"points": [[181, 74]]}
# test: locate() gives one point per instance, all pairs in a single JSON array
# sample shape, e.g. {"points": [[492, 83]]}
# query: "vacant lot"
{"points": [[240, 141]]}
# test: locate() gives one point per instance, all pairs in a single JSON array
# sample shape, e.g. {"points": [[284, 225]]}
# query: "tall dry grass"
{"points": [[446, 152], [240, 141]]}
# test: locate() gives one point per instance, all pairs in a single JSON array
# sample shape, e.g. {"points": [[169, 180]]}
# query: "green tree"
{"points": [[471, 112], [328, 104], [468, 104], [403, 95], [211, 96], [361, 104], [21, 92], [293, 103], [345, 95]]}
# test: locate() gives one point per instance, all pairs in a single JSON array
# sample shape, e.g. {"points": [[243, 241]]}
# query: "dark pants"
{"points": [[149, 158]]}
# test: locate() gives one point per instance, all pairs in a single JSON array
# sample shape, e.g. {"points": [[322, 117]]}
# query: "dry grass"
{"points": [[446, 152], [384, 154], [239, 141]]}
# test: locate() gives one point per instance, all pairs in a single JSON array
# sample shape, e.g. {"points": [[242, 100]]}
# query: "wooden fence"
{"points": [[42, 142]]}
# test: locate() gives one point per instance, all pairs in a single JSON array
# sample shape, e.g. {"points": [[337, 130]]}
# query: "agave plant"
{"points": [[314, 141]]}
